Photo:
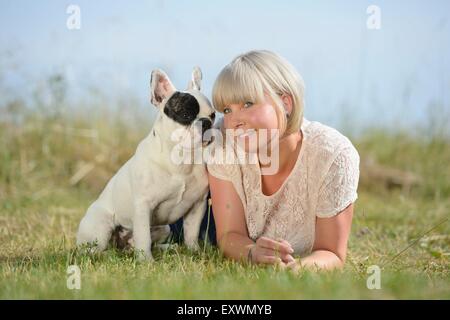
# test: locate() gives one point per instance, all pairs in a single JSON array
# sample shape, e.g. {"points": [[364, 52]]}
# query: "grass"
{"points": [[42, 201]]}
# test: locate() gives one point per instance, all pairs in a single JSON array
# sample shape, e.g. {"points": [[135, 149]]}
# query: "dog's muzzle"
{"points": [[206, 125]]}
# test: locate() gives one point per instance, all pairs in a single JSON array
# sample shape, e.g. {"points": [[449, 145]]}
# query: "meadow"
{"points": [[54, 162]]}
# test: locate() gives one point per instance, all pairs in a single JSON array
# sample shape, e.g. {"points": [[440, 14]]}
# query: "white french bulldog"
{"points": [[150, 191]]}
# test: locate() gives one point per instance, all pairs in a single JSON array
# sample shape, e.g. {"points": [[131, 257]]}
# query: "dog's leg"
{"points": [[141, 229], [95, 228], [160, 234], [192, 222]]}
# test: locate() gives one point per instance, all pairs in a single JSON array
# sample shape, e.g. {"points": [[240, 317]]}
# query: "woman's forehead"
{"points": [[253, 99]]}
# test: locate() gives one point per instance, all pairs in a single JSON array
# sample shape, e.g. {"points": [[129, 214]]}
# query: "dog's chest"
{"points": [[185, 191]]}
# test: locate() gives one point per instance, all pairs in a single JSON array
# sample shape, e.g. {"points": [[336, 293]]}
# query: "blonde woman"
{"points": [[301, 214]]}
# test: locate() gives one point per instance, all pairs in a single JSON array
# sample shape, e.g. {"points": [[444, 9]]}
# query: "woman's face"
{"points": [[251, 123]]}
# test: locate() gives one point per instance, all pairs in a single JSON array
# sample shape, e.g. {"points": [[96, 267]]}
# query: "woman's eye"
{"points": [[248, 104], [226, 110]]}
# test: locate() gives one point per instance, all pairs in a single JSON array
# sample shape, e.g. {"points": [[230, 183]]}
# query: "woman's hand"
{"points": [[295, 266], [270, 251]]}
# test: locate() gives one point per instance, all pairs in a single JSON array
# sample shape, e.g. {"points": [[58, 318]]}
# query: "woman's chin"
{"points": [[253, 148]]}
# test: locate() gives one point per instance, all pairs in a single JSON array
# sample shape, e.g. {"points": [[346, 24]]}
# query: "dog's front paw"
{"points": [[166, 246], [142, 256], [193, 246]]}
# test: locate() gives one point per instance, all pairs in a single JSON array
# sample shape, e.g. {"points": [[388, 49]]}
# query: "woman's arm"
{"points": [[330, 244], [231, 229]]}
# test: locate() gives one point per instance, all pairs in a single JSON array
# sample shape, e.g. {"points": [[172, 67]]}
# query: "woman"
{"points": [[302, 209]]}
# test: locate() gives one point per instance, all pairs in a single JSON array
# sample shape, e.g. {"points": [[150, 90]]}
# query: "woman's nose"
{"points": [[237, 120]]}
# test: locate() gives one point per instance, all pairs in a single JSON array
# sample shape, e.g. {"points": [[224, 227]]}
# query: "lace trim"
{"points": [[323, 182]]}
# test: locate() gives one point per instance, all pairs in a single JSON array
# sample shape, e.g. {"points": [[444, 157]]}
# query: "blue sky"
{"points": [[379, 77]]}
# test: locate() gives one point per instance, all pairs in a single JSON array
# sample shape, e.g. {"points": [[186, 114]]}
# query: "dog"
{"points": [[150, 191]]}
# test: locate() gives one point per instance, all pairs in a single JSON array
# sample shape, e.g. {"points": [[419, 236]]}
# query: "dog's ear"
{"points": [[161, 87], [196, 79]]}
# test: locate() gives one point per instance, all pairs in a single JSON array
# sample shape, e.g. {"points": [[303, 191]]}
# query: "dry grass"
{"points": [[53, 166]]}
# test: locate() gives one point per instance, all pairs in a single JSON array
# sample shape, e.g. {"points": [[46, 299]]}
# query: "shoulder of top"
{"points": [[324, 138]]}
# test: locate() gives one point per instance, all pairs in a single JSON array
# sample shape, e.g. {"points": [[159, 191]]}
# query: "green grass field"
{"points": [[52, 167]]}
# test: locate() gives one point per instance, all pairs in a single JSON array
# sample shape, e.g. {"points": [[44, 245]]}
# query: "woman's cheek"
{"points": [[227, 124], [269, 117]]}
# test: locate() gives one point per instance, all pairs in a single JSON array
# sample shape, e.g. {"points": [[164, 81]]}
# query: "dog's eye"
{"points": [[213, 116]]}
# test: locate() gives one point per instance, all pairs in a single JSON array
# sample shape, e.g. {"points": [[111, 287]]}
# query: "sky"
{"points": [[391, 76]]}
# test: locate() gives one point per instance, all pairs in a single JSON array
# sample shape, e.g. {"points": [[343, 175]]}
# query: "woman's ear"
{"points": [[287, 102]]}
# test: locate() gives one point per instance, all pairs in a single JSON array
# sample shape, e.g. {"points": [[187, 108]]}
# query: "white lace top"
{"points": [[323, 182]]}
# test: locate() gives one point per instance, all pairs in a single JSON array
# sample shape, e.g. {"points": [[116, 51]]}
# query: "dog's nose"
{"points": [[206, 124]]}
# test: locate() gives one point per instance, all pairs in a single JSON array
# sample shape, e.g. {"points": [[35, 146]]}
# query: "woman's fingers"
{"points": [[285, 242], [287, 258], [290, 264], [270, 251], [268, 259], [283, 247], [294, 266], [266, 256]]}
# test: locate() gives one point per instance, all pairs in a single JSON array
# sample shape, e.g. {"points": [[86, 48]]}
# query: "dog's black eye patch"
{"points": [[182, 107]]}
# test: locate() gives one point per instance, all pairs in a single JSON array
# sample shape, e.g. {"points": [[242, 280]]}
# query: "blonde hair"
{"points": [[256, 73]]}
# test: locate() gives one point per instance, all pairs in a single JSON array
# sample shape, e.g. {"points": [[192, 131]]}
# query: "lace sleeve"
{"points": [[220, 171], [339, 188]]}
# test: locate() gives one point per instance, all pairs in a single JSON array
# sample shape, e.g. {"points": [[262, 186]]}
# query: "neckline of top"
{"points": [[294, 169]]}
